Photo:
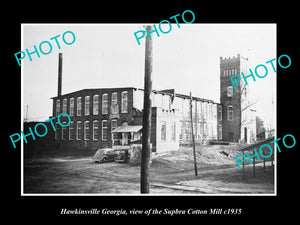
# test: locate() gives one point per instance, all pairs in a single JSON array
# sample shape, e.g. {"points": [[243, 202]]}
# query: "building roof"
{"points": [[91, 89], [165, 92]]}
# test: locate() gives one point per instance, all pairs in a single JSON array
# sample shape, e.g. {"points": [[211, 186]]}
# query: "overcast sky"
{"points": [[107, 55]]}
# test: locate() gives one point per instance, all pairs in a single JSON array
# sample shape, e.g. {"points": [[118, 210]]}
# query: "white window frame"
{"points": [[71, 128], [56, 135], [111, 124], [65, 105], [163, 123], [220, 131], [77, 130], [124, 109], [229, 90], [104, 103], [173, 131], [71, 110], [87, 105], [79, 106], [114, 102], [220, 112], [86, 129], [57, 108], [95, 138], [230, 112], [64, 130], [102, 128], [96, 105]]}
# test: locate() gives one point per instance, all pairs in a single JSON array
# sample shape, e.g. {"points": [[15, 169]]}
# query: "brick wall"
{"points": [[99, 143]]}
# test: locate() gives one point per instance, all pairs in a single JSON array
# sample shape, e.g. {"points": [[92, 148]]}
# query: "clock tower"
{"points": [[238, 119]]}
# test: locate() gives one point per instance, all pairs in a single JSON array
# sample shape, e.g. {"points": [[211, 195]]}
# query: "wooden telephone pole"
{"points": [[146, 149], [192, 132]]}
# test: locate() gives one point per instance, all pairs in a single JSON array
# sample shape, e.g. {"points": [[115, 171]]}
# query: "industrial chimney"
{"points": [[59, 74]]}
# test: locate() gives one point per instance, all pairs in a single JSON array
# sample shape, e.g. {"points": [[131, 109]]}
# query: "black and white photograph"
{"points": [[140, 113], [83, 98]]}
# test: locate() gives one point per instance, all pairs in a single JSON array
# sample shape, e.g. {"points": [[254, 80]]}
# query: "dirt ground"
{"points": [[170, 173]]}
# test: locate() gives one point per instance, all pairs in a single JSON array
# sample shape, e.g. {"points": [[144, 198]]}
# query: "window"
{"points": [[187, 130], [71, 131], [78, 131], [87, 105], [229, 91], [64, 109], [114, 102], [181, 130], [230, 113], [57, 127], [214, 107], [96, 105], [163, 130], [79, 106], [220, 132], [95, 130], [205, 110], [124, 102], [64, 132], [86, 130], [104, 130], [71, 113], [104, 103], [220, 112], [173, 131], [210, 111], [114, 124], [57, 108]]}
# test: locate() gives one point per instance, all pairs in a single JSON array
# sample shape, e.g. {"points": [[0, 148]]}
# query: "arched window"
{"points": [[86, 130], [230, 113], [87, 105], [220, 112], [71, 111], [79, 106], [229, 91], [78, 130], [57, 108], [220, 132], [95, 130], [105, 103], [96, 105]]}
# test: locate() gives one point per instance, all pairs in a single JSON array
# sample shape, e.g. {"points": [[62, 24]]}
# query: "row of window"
{"points": [[229, 113], [205, 110], [202, 130], [230, 72], [114, 104], [89, 131]]}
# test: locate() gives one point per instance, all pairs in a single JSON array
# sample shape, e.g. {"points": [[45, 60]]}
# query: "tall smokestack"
{"points": [[59, 74]]}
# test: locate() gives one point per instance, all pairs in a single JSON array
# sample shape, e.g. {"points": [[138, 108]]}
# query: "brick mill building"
{"points": [[112, 117]]}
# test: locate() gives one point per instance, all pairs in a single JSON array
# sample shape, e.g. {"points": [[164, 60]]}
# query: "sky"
{"points": [[108, 55]]}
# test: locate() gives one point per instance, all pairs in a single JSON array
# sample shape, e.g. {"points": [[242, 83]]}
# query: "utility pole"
{"points": [[146, 150], [192, 132]]}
